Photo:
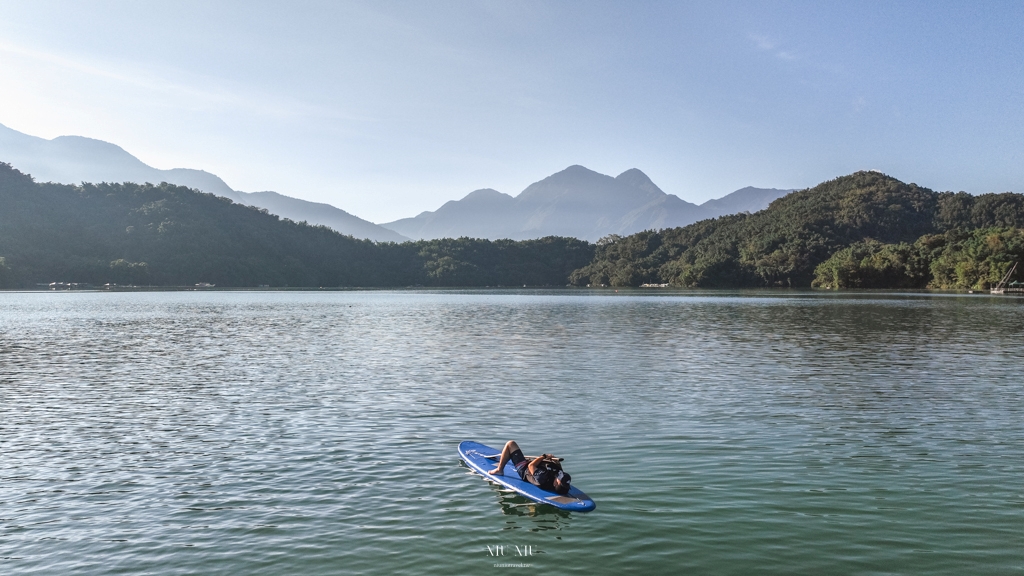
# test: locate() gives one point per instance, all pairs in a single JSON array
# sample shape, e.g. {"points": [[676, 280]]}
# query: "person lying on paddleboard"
{"points": [[544, 471]]}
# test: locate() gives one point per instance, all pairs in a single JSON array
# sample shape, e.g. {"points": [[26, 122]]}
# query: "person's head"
{"points": [[562, 482]]}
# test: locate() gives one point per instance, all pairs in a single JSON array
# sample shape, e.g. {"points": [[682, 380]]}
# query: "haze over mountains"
{"points": [[575, 202], [75, 159]]}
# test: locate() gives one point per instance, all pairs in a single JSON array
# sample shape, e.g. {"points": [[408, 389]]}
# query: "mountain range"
{"points": [[76, 159], [865, 230], [575, 202]]}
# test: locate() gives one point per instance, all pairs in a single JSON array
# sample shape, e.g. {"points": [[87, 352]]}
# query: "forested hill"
{"points": [[169, 235], [862, 230]]}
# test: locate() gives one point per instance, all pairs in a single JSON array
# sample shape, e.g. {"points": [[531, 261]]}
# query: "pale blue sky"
{"points": [[386, 109]]}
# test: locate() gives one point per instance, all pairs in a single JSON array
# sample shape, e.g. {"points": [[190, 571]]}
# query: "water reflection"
{"points": [[525, 514], [544, 516], [514, 504]]}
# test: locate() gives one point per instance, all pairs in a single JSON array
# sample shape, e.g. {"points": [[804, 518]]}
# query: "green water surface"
{"points": [[315, 433]]}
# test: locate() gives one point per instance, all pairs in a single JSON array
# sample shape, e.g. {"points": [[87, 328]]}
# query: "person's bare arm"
{"points": [[536, 462]]}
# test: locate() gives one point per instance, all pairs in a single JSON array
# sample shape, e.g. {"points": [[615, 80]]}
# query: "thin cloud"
{"points": [[766, 44], [216, 97]]}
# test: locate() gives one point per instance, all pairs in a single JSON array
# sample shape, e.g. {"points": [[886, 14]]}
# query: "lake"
{"points": [[770, 432]]}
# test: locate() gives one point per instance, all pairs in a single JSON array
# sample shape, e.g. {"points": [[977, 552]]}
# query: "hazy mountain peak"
{"points": [[578, 168], [82, 149], [84, 141], [576, 201], [573, 173], [637, 179], [747, 199], [486, 195], [576, 185], [633, 173]]}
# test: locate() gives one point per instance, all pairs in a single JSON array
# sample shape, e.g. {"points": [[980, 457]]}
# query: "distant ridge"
{"points": [[576, 202], [747, 199], [479, 215], [321, 214], [76, 159]]}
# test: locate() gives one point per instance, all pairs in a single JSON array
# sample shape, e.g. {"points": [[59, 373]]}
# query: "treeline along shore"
{"points": [[166, 235], [864, 230]]}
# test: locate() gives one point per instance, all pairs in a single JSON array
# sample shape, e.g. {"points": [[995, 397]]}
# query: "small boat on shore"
{"points": [[1003, 288]]}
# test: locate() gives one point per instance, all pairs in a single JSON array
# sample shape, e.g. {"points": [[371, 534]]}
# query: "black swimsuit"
{"points": [[522, 466], [542, 478]]}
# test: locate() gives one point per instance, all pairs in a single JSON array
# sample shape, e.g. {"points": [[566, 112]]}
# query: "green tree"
{"points": [[872, 264], [977, 259]]}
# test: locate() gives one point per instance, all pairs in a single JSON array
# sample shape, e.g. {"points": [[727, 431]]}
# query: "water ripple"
{"points": [[269, 433]]}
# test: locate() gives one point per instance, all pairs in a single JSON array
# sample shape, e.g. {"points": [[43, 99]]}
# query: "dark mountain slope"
{"points": [[782, 246], [53, 232], [171, 235]]}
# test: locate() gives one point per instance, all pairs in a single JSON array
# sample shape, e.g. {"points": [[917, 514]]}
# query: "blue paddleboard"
{"points": [[476, 457]]}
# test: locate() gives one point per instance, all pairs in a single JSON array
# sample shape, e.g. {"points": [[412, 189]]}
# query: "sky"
{"points": [[386, 109]]}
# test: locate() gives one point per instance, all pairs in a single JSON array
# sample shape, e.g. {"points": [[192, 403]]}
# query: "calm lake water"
{"points": [[316, 432]]}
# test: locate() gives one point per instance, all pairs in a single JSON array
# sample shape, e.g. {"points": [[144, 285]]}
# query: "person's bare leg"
{"points": [[506, 452]]}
